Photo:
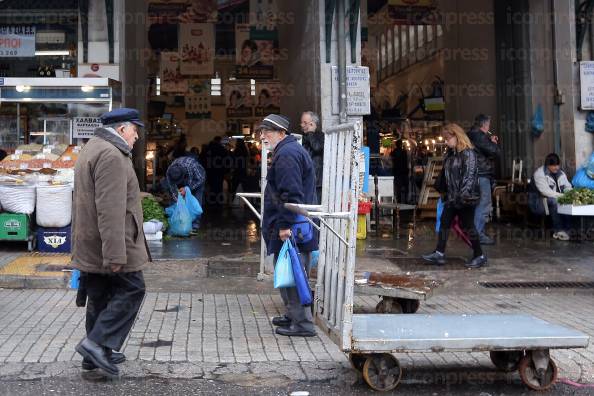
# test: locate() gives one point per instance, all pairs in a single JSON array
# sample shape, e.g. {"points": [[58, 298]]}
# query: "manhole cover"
{"points": [[156, 344], [418, 264], [537, 285], [219, 269]]}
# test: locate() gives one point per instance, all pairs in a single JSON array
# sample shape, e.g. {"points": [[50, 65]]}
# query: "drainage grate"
{"points": [[537, 285]]}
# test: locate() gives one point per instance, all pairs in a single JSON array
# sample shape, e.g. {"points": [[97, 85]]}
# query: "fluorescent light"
{"points": [[52, 53], [87, 88], [23, 88]]}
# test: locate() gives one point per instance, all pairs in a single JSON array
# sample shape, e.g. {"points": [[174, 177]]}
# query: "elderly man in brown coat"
{"points": [[108, 240]]}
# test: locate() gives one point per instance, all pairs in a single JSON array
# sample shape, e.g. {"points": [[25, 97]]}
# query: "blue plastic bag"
{"points": [[581, 180], [301, 281], [315, 256], [180, 221], [538, 122], [438, 215], [283, 270], [590, 167], [193, 205]]}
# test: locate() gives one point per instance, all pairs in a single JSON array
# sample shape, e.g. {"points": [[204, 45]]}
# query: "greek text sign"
{"points": [[17, 41]]}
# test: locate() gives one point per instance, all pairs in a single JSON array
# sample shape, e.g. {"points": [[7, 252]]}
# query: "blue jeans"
{"points": [[483, 210], [560, 222]]}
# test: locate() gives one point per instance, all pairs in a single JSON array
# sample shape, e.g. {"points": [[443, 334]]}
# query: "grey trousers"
{"points": [[301, 317]]}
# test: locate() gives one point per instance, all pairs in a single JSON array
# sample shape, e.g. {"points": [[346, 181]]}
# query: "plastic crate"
{"points": [[14, 227], [54, 240]]}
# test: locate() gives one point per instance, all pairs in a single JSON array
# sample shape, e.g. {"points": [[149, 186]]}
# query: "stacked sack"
{"points": [[153, 230], [17, 199], [54, 206]]}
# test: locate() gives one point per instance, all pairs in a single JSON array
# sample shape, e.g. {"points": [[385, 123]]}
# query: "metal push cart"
{"points": [[514, 341]]}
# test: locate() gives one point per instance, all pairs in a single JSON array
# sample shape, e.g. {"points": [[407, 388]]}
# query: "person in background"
{"points": [[488, 151], [400, 167], [548, 183], [216, 168], [179, 149], [458, 185], [313, 142], [187, 172], [241, 158], [291, 179], [108, 240], [3, 154], [195, 153]]}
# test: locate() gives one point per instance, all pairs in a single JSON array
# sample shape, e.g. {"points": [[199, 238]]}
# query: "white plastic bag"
{"points": [[54, 206], [18, 199], [152, 226]]}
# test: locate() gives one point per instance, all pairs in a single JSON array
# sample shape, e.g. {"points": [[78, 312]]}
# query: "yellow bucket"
{"points": [[361, 226]]}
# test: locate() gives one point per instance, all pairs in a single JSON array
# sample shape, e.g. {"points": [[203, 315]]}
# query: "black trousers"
{"points": [[466, 217], [113, 303]]}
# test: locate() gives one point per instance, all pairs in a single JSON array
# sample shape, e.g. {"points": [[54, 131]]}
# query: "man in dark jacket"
{"points": [[400, 167], [290, 179], [108, 240], [313, 142], [488, 151]]}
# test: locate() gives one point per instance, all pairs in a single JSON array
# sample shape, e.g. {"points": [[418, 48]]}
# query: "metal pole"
{"points": [[342, 71], [18, 124]]}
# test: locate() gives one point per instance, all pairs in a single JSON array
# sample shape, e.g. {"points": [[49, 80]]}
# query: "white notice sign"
{"points": [[587, 85], [17, 41], [358, 96], [84, 127]]}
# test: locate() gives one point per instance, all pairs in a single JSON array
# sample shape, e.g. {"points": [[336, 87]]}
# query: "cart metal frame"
{"points": [[371, 340]]}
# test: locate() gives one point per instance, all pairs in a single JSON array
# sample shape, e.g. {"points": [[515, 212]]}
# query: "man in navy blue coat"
{"points": [[291, 179]]}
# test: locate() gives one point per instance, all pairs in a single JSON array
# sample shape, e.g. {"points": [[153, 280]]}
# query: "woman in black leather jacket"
{"points": [[458, 186]]}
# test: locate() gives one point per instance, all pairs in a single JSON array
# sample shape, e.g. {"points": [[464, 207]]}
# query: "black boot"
{"points": [[95, 353], [114, 357]]}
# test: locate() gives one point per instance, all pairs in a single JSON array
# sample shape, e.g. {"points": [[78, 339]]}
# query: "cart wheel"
{"points": [[388, 305], [532, 379], [357, 361], [506, 361], [382, 372], [409, 306]]}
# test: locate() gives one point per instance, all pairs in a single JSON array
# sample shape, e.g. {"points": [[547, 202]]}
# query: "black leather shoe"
{"points": [[281, 321], [94, 353], [477, 262], [114, 357], [435, 258], [290, 332]]}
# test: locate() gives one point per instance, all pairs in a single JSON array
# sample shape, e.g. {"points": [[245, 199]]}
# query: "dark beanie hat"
{"points": [[176, 176], [552, 159]]}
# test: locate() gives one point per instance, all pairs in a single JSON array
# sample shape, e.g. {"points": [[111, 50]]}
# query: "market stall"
{"points": [[48, 122]]}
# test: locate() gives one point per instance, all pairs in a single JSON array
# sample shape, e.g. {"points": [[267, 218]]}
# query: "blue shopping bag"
{"points": [[193, 205], [301, 282], [283, 271], [180, 221], [315, 257], [439, 212]]}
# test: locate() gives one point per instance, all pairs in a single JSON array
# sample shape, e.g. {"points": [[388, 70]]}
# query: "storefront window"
{"points": [[389, 44], [421, 35], [396, 43]]}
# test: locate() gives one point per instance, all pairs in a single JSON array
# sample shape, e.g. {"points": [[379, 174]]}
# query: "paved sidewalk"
{"points": [[196, 335]]}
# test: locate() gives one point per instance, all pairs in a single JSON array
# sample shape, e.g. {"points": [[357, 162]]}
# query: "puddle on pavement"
{"points": [[222, 269]]}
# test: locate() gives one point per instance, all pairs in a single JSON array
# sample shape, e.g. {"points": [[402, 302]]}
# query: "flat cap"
{"points": [[275, 122], [122, 115]]}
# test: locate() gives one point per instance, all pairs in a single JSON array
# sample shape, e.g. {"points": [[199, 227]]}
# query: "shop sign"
{"points": [[587, 85], [17, 41], [84, 127], [358, 91]]}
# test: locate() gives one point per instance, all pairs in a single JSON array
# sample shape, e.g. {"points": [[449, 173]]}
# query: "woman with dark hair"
{"points": [[458, 186], [548, 183], [249, 53]]}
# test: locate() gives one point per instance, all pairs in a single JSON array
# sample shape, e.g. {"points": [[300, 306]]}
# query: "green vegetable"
{"points": [[152, 210], [578, 196]]}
